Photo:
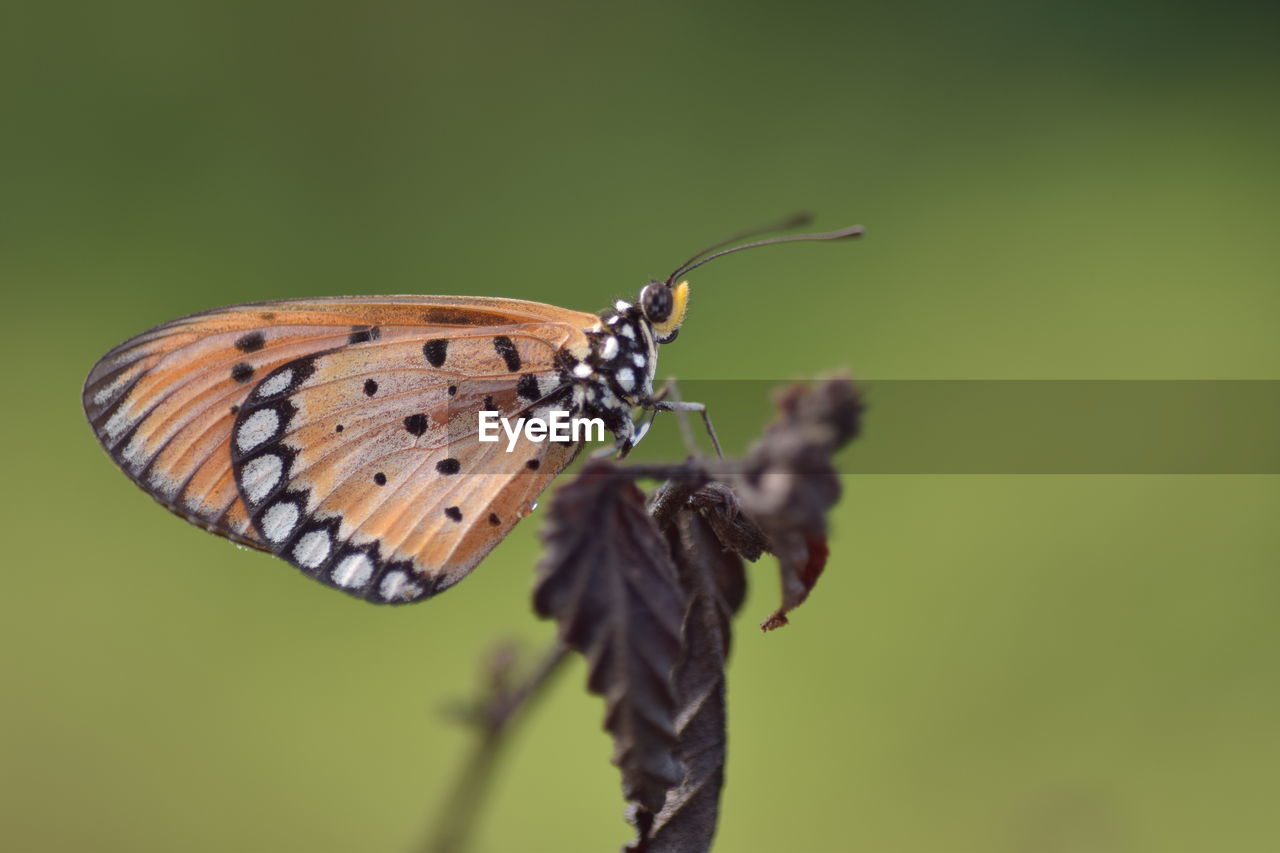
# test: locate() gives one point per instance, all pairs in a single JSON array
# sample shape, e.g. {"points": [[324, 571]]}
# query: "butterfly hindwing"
{"points": [[362, 466]]}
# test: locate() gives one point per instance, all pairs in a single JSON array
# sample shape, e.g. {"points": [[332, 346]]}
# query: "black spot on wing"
{"points": [[242, 372], [494, 520], [453, 513], [436, 351], [443, 316], [448, 466], [360, 334], [370, 387], [380, 478], [416, 424], [251, 342], [527, 387], [507, 350]]}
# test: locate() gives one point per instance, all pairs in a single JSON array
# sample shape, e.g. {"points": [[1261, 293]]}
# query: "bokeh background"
{"points": [[1032, 664]]}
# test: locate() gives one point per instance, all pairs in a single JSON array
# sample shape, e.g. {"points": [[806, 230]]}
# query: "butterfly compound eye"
{"points": [[664, 308], [656, 302]]}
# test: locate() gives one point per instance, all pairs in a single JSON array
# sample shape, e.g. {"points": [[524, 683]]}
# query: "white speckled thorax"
{"points": [[616, 374]]}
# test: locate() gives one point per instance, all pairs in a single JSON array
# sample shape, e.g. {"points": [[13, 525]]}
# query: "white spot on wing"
{"points": [[312, 549], [257, 428], [276, 384], [162, 484], [638, 359], [108, 391], [259, 476], [627, 332], [397, 585], [116, 423], [134, 453], [609, 349], [279, 521], [354, 571], [622, 306], [582, 371], [626, 379]]}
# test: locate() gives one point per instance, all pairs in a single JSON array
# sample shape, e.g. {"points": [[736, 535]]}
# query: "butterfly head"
{"points": [[664, 306]]}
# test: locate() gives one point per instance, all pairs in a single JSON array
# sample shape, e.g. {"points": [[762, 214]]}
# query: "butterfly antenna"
{"points": [[795, 220], [694, 262]]}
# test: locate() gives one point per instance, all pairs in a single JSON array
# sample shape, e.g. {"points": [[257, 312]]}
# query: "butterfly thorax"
{"points": [[615, 373]]}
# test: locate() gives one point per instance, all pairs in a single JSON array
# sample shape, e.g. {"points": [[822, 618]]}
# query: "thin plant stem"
{"points": [[455, 826]]}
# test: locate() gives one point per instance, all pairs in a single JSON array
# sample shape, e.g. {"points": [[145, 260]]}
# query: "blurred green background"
{"points": [[1024, 664]]}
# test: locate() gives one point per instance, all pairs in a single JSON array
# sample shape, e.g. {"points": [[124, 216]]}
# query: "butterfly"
{"points": [[340, 434]]}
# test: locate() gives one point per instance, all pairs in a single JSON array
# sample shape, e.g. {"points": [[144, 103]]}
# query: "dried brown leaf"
{"points": [[788, 482], [800, 562], [715, 582], [717, 503], [608, 579]]}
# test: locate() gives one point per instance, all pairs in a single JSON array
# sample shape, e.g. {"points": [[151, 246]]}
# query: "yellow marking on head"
{"points": [[680, 293]]}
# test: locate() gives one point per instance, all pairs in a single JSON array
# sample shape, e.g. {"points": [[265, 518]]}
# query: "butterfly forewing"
{"points": [[165, 404]]}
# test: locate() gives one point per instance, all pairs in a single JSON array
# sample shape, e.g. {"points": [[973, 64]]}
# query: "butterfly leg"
{"points": [[701, 409], [669, 389], [626, 443], [641, 431], [623, 443], [618, 449], [668, 400]]}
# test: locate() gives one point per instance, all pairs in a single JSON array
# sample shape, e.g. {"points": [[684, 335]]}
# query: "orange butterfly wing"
{"points": [[164, 405], [362, 466]]}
